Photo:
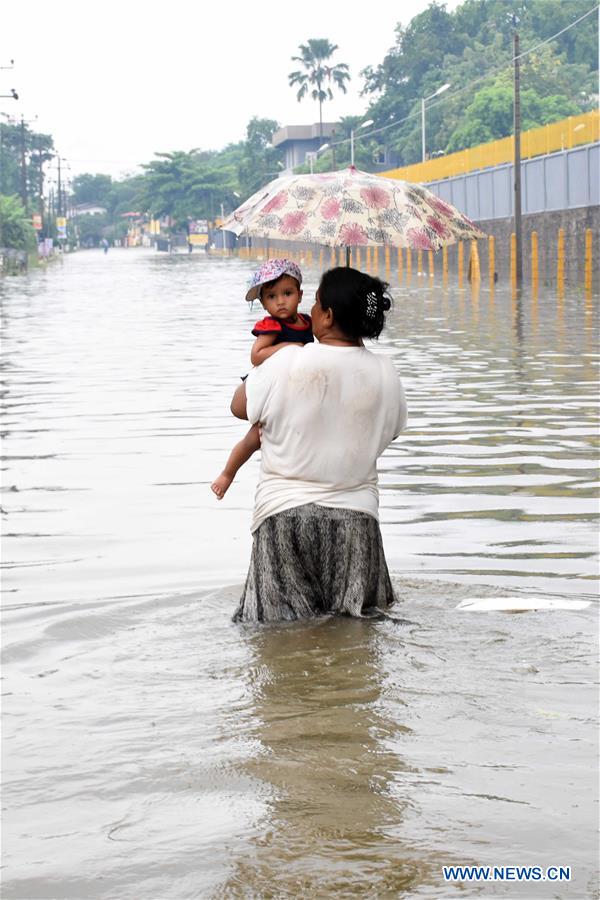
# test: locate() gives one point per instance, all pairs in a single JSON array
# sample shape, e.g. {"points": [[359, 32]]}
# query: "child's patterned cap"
{"points": [[270, 271]]}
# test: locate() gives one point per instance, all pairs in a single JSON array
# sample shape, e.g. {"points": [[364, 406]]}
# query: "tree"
{"points": [[186, 185], [92, 189], [260, 160], [16, 231], [317, 73], [18, 141], [490, 114], [460, 47]]}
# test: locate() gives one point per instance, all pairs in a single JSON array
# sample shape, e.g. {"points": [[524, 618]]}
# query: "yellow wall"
{"points": [[567, 133]]}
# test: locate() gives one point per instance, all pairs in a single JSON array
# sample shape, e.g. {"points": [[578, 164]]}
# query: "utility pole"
{"points": [[59, 198], [1, 157], [23, 167], [517, 157], [41, 184]]}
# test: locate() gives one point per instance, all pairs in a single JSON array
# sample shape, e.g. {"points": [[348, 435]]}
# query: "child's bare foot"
{"points": [[220, 485]]}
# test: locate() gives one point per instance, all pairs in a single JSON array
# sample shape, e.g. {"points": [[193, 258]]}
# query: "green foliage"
{"points": [[187, 185], [18, 141], [92, 189], [490, 115], [316, 75], [260, 161], [462, 47], [16, 230]]}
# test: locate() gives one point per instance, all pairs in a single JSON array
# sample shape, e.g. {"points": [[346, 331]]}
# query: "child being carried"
{"points": [[277, 285]]}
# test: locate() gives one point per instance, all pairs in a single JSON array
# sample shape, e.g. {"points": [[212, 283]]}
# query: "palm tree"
{"points": [[315, 54]]}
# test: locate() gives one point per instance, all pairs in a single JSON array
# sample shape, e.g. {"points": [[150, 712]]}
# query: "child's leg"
{"points": [[240, 454]]}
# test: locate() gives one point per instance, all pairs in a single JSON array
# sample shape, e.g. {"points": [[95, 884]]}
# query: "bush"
{"points": [[16, 230]]}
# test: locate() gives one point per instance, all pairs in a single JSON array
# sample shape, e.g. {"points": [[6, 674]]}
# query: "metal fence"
{"points": [[565, 180], [564, 135]]}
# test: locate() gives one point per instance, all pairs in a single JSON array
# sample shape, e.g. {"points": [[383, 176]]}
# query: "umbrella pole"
{"points": [[347, 256]]}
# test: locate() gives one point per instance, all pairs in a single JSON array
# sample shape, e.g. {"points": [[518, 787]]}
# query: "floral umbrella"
{"points": [[351, 209]]}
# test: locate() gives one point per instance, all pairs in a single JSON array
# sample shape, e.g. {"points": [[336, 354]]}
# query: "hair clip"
{"points": [[371, 305]]}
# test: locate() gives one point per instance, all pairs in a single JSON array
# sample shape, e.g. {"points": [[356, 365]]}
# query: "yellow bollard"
{"points": [[445, 266], [399, 263], [461, 263], [431, 270], [332, 257], [408, 264], [321, 260], [588, 260], [560, 261], [376, 259], [474, 264], [357, 259], [475, 286], [368, 260], [309, 257], [419, 262], [535, 270], [387, 262], [492, 259], [513, 261]]}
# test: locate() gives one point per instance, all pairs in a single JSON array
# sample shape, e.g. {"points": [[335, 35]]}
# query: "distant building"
{"points": [[298, 140], [87, 209]]}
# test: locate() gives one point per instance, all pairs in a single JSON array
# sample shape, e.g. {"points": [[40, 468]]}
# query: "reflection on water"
{"points": [[154, 749]]}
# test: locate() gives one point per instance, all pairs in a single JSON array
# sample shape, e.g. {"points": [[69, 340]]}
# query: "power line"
{"points": [[510, 64], [487, 75]]}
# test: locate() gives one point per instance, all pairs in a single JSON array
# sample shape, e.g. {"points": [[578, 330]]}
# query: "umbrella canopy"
{"points": [[351, 209]]}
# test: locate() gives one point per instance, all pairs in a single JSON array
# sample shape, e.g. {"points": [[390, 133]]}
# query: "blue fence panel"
{"points": [[485, 181], [459, 194], [503, 191], [534, 186], [594, 174], [442, 189], [556, 185], [577, 177], [472, 195]]}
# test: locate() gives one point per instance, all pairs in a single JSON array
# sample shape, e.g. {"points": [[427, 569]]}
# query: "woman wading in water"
{"points": [[327, 412]]}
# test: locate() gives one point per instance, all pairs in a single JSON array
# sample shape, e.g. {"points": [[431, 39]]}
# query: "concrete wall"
{"points": [[575, 222]]}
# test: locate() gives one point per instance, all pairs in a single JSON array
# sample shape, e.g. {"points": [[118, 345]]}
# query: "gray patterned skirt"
{"points": [[313, 561]]}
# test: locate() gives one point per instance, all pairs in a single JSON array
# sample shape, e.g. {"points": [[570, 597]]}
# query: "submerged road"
{"points": [[154, 749]]}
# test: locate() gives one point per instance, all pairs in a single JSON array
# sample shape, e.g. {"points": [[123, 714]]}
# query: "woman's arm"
{"points": [[238, 402]]}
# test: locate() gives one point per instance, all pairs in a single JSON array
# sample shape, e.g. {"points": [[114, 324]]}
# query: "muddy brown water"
{"points": [[152, 749]]}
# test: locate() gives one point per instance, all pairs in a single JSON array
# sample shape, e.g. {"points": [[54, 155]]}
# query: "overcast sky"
{"points": [[116, 80]]}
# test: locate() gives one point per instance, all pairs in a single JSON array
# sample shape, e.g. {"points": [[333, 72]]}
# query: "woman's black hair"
{"points": [[358, 301]]}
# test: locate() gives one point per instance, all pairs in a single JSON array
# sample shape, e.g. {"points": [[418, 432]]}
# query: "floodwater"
{"points": [[153, 749]]}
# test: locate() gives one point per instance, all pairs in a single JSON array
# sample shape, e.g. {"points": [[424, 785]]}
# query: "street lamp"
{"points": [[12, 96], [424, 100], [311, 156], [364, 125]]}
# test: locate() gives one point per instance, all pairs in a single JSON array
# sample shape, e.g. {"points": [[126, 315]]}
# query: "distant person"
{"points": [[326, 415], [104, 244], [277, 285]]}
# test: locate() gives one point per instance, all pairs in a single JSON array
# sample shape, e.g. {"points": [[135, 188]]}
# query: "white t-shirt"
{"points": [[327, 414]]}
